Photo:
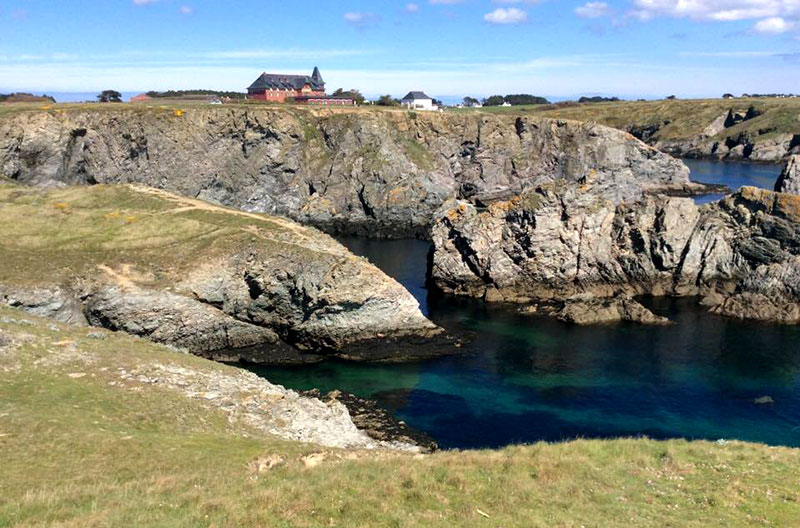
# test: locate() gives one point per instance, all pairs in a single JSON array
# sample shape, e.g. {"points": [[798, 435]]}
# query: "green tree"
{"points": [[353, 93], [495, 100], [470, 101], [109, 96], [387, 100], [524, 99]]}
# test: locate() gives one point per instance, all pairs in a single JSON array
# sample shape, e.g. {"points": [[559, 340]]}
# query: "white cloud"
{"points": [[721, 10], [186, 10], [412, 8], [593, 10], [510, 15], [773, 26], [144, 2], [360, 18], [444, 2], [732, 54]]}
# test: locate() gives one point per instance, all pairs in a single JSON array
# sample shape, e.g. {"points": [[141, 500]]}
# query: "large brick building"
{"points": [[279, 87]]}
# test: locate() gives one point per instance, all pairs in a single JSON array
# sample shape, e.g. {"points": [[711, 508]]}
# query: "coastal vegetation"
{"points": [[25, 98], [680, 118], [89, 436]]}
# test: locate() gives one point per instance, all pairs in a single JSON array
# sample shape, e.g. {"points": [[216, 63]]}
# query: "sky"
{"points": [[447, 48]]}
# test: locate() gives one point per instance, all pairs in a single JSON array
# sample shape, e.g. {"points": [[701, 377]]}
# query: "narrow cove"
{"points": [[523, 379]]}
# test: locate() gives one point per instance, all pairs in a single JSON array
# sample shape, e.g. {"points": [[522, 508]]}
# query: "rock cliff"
{"points": [[218, 282], [380, 173], [573, 245]]}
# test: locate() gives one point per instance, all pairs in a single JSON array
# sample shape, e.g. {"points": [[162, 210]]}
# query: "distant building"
{"points": [[326, 100], [278, 87], [141, 98], [505, 103], [418, 101]]}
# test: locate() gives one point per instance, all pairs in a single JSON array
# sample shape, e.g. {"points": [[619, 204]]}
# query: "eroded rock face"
{"points": [[557, 243], [789, 180], [375, 173], [217, 282], [740, 254]]}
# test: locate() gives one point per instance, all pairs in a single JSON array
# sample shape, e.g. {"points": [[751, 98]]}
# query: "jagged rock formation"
{"points": [[789, 180], [553, 243], [380, 173], [221, 283]]}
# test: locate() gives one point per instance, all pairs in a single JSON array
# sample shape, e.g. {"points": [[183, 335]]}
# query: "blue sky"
{"points": [[556, 48]]}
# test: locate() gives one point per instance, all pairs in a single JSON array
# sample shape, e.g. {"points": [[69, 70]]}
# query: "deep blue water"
{"points": [[528, 378], [734, 175]]}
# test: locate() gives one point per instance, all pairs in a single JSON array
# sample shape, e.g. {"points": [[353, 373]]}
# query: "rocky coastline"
{"points": [[520, 209], [217, 282], [372, 173], [722, 140], [576, 247]]}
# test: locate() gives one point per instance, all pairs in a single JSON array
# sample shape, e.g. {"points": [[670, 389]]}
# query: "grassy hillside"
{"points": [[83, 442], [687, 118], [50, 235]]}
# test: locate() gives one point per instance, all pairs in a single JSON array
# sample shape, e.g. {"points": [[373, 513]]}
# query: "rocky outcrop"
{"points": [[789, 180], [247, 402], [555, 244], [381, 173], [218, 282], [591, 310], [377, 422]]}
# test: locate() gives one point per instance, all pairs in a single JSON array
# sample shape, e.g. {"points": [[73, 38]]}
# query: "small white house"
{"points": [[418, 101]]}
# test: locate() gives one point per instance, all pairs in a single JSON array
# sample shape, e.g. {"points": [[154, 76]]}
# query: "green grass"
{"points": [[687, 118], [48, 236], [76, 451]]}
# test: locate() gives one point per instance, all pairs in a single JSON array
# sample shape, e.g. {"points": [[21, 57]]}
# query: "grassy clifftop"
{"points": [[687, 118], [91, 435]]}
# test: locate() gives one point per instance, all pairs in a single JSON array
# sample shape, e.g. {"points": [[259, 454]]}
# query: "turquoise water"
{"points": [[522, 379]]}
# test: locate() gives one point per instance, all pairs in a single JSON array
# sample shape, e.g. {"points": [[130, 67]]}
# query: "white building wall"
{"points": [[419, 104]]}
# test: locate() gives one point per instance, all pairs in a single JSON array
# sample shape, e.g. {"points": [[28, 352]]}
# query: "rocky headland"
{"points": [[520, 209], [226, 284], [368, 172], [590, 253]]}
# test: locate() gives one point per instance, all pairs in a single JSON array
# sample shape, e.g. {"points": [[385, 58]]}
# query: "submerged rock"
{"points": [[588, 311]]}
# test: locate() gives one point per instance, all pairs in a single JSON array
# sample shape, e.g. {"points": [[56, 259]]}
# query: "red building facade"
{"points": [[279, 87]]}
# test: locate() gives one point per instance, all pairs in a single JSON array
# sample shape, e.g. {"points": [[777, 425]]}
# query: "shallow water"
{"points": [[527, 378]]}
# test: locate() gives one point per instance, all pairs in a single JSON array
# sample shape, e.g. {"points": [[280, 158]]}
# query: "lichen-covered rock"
{"points": [[381, 173], [789, 180]]}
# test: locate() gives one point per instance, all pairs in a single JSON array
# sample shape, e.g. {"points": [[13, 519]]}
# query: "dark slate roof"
{"points": [[416, 95], [279, 81]]}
